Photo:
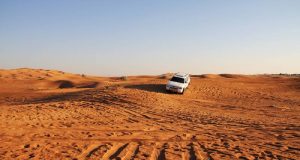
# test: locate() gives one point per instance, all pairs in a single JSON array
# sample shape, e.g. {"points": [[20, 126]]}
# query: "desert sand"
{"points": [[47, 114]]}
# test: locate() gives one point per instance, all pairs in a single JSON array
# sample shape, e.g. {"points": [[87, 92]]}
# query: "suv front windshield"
{"points": [[177, 79]]}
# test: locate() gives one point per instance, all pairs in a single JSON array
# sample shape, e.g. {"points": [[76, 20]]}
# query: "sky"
{"points": [[151, 37]]}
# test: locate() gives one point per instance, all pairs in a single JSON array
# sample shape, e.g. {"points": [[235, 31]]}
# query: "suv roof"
{"points": [[182, 75]]}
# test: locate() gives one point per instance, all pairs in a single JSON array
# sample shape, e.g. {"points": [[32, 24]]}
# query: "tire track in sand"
{"points": [[89, 151], [131, 152], [114, 151]]}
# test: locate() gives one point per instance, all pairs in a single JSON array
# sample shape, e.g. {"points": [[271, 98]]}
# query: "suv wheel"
{"points": [[182, 91]]}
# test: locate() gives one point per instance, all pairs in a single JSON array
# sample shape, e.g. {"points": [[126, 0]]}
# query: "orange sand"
{"points": [[48, 114]]}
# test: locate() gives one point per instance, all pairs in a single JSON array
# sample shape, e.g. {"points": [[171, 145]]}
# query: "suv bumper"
{"points": [[176, 90]]}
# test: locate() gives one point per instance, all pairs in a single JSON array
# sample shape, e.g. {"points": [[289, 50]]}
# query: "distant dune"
{"points": [[50, 79]]}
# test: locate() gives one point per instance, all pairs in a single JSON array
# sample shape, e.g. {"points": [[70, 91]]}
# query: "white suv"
{"points": [[178, 83]]}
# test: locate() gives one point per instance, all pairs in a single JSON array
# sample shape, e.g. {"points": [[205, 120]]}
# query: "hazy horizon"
{"points": [[112, 38]]}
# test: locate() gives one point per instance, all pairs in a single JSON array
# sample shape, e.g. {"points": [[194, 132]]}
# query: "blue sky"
{"points": [[134, 37]]}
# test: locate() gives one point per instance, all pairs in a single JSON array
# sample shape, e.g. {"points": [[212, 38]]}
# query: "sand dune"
{"points": [[207, 76], [232, 75], [48, 79], [48, 114]]}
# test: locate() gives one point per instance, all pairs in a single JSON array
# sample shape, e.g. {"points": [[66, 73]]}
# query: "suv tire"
{"points": [[182, 91]]}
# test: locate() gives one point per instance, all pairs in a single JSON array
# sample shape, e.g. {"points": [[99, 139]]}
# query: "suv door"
{"points": [[186, 83]]}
